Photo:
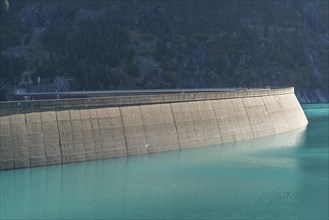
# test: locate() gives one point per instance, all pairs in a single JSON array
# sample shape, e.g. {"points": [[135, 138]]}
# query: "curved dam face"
{"points": [[38, 133]]}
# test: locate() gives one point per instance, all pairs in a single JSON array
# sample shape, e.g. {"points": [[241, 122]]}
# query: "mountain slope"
{"points": [[166, 44]]}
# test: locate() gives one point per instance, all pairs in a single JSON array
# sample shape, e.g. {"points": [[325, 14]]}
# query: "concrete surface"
{"points": [[70, 132]]}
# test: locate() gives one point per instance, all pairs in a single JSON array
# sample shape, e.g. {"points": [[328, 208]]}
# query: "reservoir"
{"points": [[281, 176]]}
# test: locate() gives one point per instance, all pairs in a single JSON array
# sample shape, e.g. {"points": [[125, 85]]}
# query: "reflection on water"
{"points": [[314, 162], [283, 176]]}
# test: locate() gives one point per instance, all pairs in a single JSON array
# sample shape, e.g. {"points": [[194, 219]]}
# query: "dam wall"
{"points": [[52, 132]]}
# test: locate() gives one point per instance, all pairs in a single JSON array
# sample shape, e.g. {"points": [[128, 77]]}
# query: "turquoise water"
{"points": [[278, 177]]}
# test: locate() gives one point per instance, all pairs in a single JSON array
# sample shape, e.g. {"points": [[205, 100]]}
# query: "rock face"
{"points": [[167, 44], [197, 120]]}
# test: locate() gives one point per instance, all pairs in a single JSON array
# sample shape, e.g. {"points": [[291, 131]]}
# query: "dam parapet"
{"points": [[125, 98], [56, 131]]}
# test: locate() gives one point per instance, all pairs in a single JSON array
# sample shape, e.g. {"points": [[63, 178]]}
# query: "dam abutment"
{"points": [[48, 132]]}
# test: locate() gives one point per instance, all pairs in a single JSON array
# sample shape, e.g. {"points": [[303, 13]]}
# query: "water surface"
{"points": [[278, 177]]}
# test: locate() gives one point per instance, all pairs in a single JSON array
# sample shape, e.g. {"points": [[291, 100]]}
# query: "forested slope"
{"points": [[90, 45]]}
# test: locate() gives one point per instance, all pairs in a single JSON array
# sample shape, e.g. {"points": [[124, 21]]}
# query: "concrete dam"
{"points": [[47, 132]]}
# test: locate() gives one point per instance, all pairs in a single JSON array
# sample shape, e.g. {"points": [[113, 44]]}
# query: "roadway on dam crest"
{"points": [[47, 132]]}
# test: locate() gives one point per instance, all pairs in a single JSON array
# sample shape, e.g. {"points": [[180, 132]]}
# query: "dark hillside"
{"points": [[90, 45]]}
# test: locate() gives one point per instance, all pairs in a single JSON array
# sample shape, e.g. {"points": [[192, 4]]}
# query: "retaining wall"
{"points": [[76, 133]]}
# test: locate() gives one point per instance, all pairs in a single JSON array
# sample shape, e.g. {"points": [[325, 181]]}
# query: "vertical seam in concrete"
{"points": [[11, 140], [173, 115], [72, 135], [59, 137], [100, 133], [83, 141], [204, 136], [252, 129], [43, 136], [82, 130], [27, 140], [236, 115], [89, 119], [283, 111], [124, 130], [268, 114], [195, 137], [147, 149], [220, 134], [93, 132]]}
